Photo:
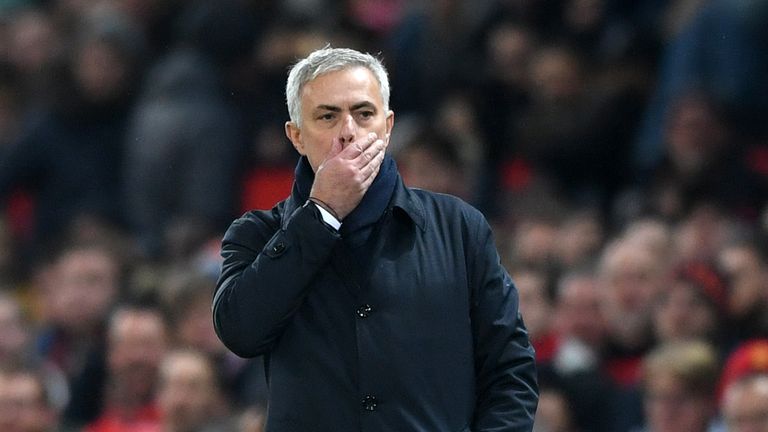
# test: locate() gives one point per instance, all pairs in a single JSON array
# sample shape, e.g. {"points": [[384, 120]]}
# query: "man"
{"points": [[136, 345], [25, 404], [378, 307], [745, 404], [190, 396]]}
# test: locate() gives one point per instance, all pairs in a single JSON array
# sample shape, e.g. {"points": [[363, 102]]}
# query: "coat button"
{"points": [[364, 311], [370, 403], [278, 248]]}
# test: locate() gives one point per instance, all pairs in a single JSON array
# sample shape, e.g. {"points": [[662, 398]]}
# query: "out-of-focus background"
{"points": [[619, 148]]}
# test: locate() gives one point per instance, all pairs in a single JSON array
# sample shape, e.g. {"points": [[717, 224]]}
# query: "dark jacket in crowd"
{"points": [[429, 338]]}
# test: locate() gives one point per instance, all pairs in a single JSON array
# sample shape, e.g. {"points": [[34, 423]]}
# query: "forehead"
{"points": [[348, 85]]}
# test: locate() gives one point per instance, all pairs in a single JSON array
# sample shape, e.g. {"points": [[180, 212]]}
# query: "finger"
{"points": [[356, 148], [370, 153], [372, 169]]}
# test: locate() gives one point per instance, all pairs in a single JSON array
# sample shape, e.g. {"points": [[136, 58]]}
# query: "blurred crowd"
{"points": [[619, 149]]}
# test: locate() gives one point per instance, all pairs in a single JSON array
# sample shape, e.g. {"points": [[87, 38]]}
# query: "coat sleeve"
{"points": [[265, 275], [506, 386]]}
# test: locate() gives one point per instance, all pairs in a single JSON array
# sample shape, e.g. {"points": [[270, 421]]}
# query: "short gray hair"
{"points": [[327, 60]]}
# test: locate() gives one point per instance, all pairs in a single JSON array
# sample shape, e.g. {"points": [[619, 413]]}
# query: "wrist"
{"points": [[325, 206]]}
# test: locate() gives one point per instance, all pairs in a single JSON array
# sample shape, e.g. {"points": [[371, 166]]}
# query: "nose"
{"points": [[347, 131]]}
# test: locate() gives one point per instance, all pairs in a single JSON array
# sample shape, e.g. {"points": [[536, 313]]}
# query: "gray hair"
{"points": [[327, 60]]}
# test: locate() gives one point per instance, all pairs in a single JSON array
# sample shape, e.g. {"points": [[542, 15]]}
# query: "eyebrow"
{"points": [[357, 106]]}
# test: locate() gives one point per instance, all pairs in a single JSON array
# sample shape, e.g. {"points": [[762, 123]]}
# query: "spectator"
{"points": [[630, 278], [693, 307], [720, 50], [679, 385], [68, 156], [536, 306], [745, 405], [180, 113], [25, 403], [189, 297], [190, 396], [136, 343], [744, 266], [77, 290], [15, 333], [581, 331]]}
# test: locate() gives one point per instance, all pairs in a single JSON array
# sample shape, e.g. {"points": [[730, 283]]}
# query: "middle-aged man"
{"points": [[377, 307]]}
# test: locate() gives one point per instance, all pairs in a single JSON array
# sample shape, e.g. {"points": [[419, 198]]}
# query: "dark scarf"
{"points": [[358, 225]]}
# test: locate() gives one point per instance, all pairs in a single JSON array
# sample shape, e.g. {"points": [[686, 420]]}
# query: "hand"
{"points": [[346, 173]]}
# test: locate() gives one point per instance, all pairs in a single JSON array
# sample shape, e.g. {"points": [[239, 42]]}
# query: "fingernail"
{"points": [[372, 135]]}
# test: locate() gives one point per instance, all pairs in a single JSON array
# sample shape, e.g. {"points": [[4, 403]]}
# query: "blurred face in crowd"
{"points": [[195, 327], [421, 168], [631, 279], [535, 306], [745, 405], [684, 313], [33, 42], [345, 105], [695, 135], [102, 70], [80, 288], [14, 334], [747, 278], [552, 414], [578, 311], [671, 407], [23, 407], [188, 394], [137, 343]]}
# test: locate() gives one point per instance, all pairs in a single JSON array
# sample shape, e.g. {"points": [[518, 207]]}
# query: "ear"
{"points": [[390, 124], [293, 133]]}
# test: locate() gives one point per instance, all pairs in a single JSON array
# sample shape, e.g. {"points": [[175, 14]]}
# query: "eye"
{"points": [[367, 114], [326, 116]]}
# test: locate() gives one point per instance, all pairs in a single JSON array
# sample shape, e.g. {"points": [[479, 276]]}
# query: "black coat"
{"points": [[430, 339]]}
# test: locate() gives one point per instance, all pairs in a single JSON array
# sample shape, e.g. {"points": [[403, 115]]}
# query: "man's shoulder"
{"points": [[256, 221], [447, 213], [442, 204]]}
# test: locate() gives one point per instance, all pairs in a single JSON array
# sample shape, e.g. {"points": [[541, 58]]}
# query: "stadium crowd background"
{"points": [[619, 148]]}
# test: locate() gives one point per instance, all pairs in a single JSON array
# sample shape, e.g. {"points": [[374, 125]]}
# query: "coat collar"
{"points": [[404, 199]]}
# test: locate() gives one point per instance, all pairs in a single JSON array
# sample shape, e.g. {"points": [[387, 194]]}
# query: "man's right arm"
{"points": [[265, 275]]}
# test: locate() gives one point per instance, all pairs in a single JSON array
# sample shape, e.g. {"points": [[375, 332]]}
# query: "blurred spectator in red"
{"points": [[744, 266], [631, 278], [68, 156], [190, 396], [534, 288], [581, 332], [25, 403], [571, 130], [693, 307], [679, 383], [136, 344], [76, 290], [501, 96], [747, 358], [704, 162]]}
